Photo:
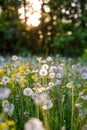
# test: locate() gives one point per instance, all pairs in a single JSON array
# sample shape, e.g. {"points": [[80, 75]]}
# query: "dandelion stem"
{"points": [[72, 114]]}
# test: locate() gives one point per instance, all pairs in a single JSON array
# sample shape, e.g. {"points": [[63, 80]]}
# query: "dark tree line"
{"points": [[63, 29]]}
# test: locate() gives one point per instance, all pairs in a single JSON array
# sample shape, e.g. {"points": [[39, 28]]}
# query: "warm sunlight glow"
{"points": [[21, 12], [46, 8], [33, 13], [34, 19], [0, 10]]}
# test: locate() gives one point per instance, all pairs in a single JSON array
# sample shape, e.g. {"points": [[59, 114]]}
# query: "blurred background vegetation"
{"points": [[61, 27]]}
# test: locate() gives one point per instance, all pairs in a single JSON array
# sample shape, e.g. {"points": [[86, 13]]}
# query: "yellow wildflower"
{"points": [[12, 128], [23, 82], [10, 122], [34, 78], [6, 66], [0, 83], [32, 72], [21, 68], [2, 71], [3, 126]]}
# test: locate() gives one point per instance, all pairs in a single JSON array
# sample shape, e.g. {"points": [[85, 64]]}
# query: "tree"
{"points": [[62, 28]]}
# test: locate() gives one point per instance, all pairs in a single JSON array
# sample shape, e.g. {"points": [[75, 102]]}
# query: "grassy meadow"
{"points": [[38, 93]]}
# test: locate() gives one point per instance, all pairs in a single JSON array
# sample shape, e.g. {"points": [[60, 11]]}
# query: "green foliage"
{"points": [[84, 56], [71, 44], [64, 17]]}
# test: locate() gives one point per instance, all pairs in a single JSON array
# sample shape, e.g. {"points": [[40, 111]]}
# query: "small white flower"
{"points": [[74, 67], [40, 89], [2, 58], [48, 104], [37, 85], [5, 103], [43, 61], [81, 94], [58, 82], [49, 58], [11, 109], [34, 96], [79, 85], [16, 64], [1, 67], [39, 59], [84, 127], [78, 104], [52, 68], [27, 92], [43, 72], [60, 66], [52, 75], [5, 80], [33, 124], [84, 97], [51, 84], [26, 113], [40, 98], [84, 76], [27, 72], [62, 71], [70, 84], [19, 78], [45, 66], [14, 58], [58, 75], [63, 128], [4, 93]]}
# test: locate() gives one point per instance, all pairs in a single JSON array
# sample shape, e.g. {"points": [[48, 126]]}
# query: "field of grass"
{"points": [[38, 93]]}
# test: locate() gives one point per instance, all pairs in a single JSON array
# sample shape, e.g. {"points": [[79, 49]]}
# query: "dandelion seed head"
{"points": [[26, 113], [19, 78], [50, 85], [58, 75], [4, 93], [5, 80], [78, 105], [39, 59], [27, 92], [47, 105], [45, 66], [33, 124], [14, 58], [58, 82], [52, 75], [84, 75], [74, 67], [69, 85], [43, 72], [84, 127], [41, 98], [84, 97], [5, 103], [11, 109], [63, 128], [49, 58]]}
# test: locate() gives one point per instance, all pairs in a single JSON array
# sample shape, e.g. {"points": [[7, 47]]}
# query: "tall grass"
{"points": [[52, 89]]}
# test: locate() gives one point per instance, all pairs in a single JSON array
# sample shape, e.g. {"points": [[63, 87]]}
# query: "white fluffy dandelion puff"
{"points": [[4, 93], [27, 92], [45, 66], [14, 58], [34, 124], [43, 72], [5, 80], [48, 104]]}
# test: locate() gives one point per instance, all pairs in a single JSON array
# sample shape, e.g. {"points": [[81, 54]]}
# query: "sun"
{"points": [[33, 12]]}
